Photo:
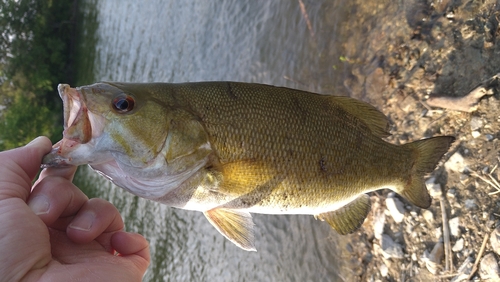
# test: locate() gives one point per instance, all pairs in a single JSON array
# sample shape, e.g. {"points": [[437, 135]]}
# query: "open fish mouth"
{"points": [[78, 127]]}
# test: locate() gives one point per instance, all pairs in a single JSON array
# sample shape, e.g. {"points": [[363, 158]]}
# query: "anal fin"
{"points": [[349, 217], [236, 226]]}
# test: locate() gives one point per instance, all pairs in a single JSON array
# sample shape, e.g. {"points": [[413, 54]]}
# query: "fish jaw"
{"points": [[82, 130], [67, 152]]}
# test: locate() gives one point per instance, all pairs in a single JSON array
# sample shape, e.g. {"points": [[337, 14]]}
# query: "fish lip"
{"points": [[54, 158], [72, 103], [77, 126]]}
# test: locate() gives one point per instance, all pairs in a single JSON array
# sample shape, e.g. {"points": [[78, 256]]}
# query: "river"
{"points": [[284, 43]]}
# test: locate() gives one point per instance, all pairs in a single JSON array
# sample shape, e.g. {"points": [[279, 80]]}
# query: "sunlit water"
{"points": [[181, 41]]}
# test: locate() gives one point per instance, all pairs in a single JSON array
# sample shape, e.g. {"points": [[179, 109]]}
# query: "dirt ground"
{"points": [[416, 50]]}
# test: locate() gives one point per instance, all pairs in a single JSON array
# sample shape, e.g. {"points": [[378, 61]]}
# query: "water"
{"points": [[252, 41]]}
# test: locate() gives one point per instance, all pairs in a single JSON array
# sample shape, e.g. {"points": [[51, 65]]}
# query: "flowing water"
{"points": [[272, 42]]}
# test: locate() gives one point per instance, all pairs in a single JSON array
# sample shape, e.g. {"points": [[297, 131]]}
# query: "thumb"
{"points": [[30, 156], [19, 166]]}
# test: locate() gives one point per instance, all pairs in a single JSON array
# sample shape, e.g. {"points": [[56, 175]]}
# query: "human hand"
{"points": [[61, 235]]}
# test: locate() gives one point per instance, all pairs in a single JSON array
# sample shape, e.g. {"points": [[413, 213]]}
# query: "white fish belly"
{"points": [[302, 210]]}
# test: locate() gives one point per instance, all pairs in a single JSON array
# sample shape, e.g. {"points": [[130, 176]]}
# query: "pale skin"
{"points": [[51, 231]]}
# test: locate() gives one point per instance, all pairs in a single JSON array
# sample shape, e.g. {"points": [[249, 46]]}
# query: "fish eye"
{"points": [[123, 103]]}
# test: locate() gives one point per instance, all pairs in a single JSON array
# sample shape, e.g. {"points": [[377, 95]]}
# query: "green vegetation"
{"points": [[36, 46]]}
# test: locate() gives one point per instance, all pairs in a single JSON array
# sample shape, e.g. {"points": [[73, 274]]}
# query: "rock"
{"points": [[384, 271], [451, 194], [414, 214], [430, 180], [439, 232], [375, 83], [456, 163], [476, 123], [459, 245], [470, 204], [488, 269], [428, 217], [495, 240], [390, 249], [433, 260], [396, 208], [475, 134], [408, 103], [378, 224], [454, 224], [409, 228], [434, 188], [464, 270], [490, 137], [464, 177]]}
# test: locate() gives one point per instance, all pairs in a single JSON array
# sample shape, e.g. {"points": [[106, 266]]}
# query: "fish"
{"points": [[229, 149]]}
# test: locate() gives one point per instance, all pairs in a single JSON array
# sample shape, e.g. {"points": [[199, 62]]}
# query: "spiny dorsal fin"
{"points": [[373, 118], [236, 226], [349, 217]]}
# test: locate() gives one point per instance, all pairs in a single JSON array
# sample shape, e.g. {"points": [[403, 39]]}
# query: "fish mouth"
{"points": [[78, 128]]}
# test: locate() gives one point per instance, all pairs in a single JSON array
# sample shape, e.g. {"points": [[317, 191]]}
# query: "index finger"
{"points": [[67, 172]]}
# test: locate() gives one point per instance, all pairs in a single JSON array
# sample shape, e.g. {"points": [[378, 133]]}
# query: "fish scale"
{"points": [[312, 140], [227, 149]]}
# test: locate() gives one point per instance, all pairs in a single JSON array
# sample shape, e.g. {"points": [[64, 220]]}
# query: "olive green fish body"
{"points": [[227, 149], [308, 149]]}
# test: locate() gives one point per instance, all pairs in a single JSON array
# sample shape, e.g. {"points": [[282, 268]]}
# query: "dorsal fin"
{"points": [[376, 121]]}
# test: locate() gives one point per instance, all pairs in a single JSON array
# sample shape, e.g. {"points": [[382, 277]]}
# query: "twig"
{"points": [[495, 167], [446, 237], [429, 109], [469, 102], [492, 181], [479, 255], [449, 275], [402, 275], [306, 17]]}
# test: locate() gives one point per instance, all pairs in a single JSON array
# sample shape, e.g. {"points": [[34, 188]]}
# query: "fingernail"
{"points": [[83, 222], [34, 141], [39, 205]]}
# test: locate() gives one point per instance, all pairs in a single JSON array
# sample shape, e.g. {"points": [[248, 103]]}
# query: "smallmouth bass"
{"points": [[229, 149]]}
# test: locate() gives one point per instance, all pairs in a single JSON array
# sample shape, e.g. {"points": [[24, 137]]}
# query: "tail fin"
{"points": [[428, 152]]}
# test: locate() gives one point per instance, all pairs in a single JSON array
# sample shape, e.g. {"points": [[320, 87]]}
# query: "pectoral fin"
{"points": [[237, 226], [349, 217]]}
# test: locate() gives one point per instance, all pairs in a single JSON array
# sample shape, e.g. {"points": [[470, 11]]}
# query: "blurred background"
{"points": [[392, 54]]}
